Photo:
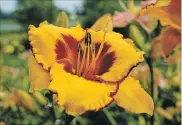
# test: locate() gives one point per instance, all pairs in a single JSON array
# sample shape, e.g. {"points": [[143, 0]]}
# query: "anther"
{"points": [[88, 39], [79, 48]]}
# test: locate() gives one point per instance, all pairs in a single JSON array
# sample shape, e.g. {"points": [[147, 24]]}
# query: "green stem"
{"points": [[53, 113], [51, 108], [110, 118], [122, 5], [149, 62], [68, 119]]}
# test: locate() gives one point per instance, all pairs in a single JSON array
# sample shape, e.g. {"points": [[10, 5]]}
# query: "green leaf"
{"points": [[26, 100], [136, 35], [109, 116], [62, 20], [40, 98], [164, 113], [141, 120]]}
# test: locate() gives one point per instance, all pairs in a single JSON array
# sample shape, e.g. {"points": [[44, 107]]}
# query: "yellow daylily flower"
{"points": [[87, 69]]}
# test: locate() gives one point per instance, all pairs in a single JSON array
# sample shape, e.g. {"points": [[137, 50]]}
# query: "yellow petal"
{"points": [[158, 13], [175, 11], [77, 94], [173, 8], [168, 14], [160, 3], [104, 23], [39, 77], [132, 97], [43, 40], [126, 56]]}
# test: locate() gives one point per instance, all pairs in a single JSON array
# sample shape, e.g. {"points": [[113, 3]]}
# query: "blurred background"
{"points": [[19, 107]]}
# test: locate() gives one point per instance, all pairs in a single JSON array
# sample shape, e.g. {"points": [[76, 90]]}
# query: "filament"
{"points": [[95, 57], [78, 60], [88, 68], [83, 61], [101, 45]]}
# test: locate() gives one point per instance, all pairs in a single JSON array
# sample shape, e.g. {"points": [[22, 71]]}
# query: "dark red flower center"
{"points": [[85, 58]]}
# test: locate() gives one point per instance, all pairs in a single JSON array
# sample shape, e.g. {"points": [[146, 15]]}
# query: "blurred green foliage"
{"points": [[35, 11], [93, 9]]}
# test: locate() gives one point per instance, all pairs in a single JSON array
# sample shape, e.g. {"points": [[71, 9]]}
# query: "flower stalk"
{"points": [[149, 62], [110, 118]]}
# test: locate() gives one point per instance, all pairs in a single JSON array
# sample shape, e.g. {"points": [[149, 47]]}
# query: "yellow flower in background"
{"points": [[169, 14], [167, 11], [17, 97], [87, 69]]}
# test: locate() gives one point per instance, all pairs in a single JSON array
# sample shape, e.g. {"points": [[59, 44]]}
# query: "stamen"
{"points": [[94, 59], [101, 45], [87, 61], [78, 58], [88, 43], [88, 39], [83, 61], [89, 69], [86, 53], [84, 49]]}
